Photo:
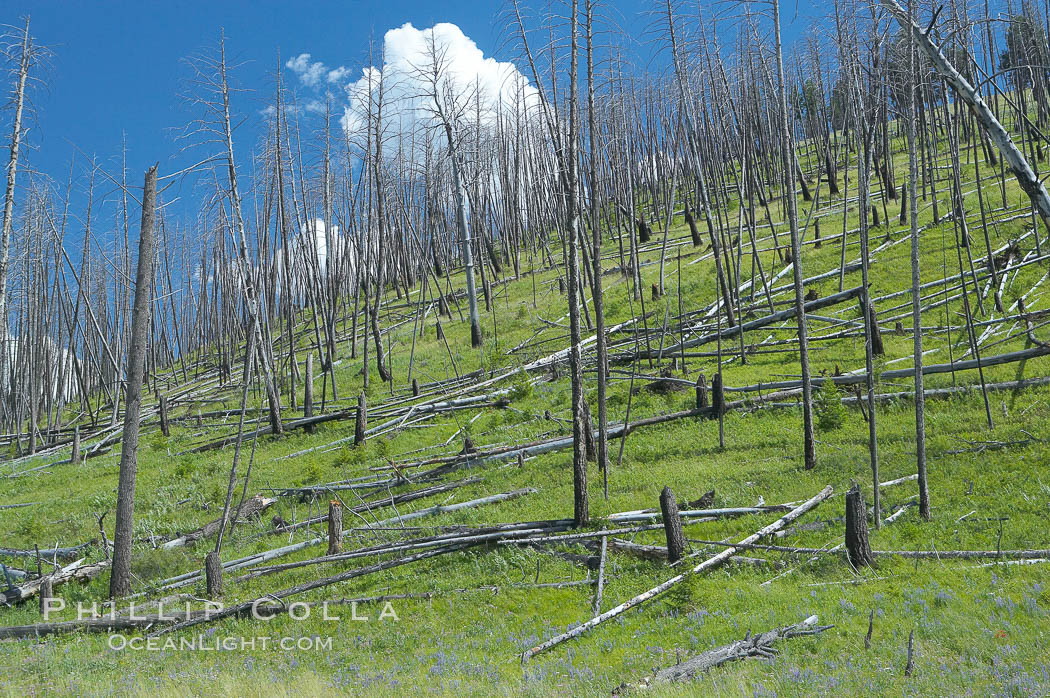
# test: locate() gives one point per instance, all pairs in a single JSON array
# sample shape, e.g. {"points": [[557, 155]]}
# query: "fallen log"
{"points": [[895, 374], [431, 542], [259, 558], [377, 504], [448, 508], [253, 507], [246, 607], [757, 323], [68, 553], [75, 571], [751, 646], [704, 566]]}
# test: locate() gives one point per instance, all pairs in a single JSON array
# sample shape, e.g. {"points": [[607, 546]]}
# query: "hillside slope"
{"points": [[464, 617]]}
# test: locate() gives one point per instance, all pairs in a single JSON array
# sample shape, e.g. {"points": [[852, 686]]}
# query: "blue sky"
{"points": [[117, 68]]}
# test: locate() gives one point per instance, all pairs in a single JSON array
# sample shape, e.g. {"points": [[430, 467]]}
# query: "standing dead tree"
{"points": [[1026, 176], [24, 61], [212, 81], [120, 575], [448, 105]]}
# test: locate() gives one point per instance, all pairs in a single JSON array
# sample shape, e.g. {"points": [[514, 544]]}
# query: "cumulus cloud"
{"points": [[313, 73], [407, 54], [309, 73]]}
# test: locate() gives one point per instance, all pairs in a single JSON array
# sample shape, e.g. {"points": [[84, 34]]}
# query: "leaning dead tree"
{"points": [[1022, 170], [120, 574], [24, 60]]}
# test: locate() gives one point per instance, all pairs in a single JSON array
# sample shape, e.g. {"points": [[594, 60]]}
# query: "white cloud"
{"points": [[337, 75], [310, 73], [466, 71]]}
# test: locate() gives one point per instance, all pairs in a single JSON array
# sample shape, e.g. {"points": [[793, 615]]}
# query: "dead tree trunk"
{"points": [[120, 576], [213, 574], [1026, 177], [335, 527], [672, 526], [858, 551], [361, 422], [12, 169]]}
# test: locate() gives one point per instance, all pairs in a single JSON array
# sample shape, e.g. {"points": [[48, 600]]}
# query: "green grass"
{"points": [[978, 629]]}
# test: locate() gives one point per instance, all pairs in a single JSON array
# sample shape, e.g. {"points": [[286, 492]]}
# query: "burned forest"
{"points": [[673, 346]]}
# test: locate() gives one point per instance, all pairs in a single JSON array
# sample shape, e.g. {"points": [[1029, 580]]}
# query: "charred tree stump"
{"points": [[694, 232], [645, 233], [46, 593], [74, 456], [335, 527], [858, 551], [829, 166], [718, 398], [213, 574], [672, 526], [701, 392], [875, 223], [877, 348], [904, 205], [439, 332], [816, 234], [415, 387], [361, 423]]}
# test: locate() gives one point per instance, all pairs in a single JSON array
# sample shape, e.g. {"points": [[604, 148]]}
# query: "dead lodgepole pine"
{"points": [[1026, 177], [335, 527], [858, 550], [213, 574], [672, 526], [760, 645]]}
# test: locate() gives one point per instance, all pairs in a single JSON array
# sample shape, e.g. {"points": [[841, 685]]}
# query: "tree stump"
{"points": [[816, 234], [335, 527], [701, 392], [858, 551], [46, 593], [672, 526], [415, 387], [361, 423], [74, 456], [718, 398], [213, 574], [693, 232], [645, 233], [439, 332]]}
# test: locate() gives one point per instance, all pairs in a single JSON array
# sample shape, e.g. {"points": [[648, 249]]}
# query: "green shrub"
{"points": [[831, 413], [522, 387]]}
